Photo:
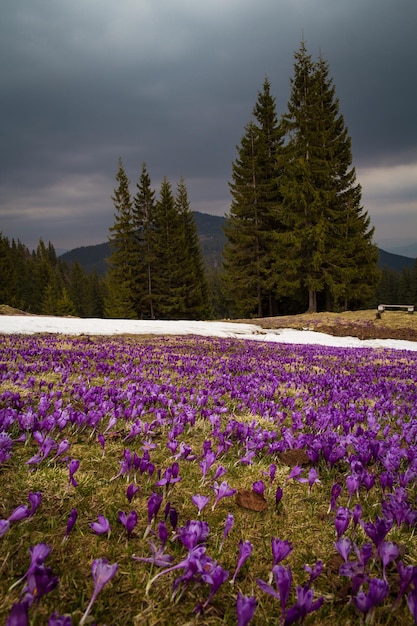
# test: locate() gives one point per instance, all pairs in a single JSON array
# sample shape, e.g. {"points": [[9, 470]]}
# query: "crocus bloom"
{"points": [[377, 592], [102, 573], [245, 550], [59, 620], [72, 518], [245, 609], [303, 606], [193, 533], [222, 491], [314, 571], [131, 490], [4, 527], [280, 549], [343, 545], [200, 501], [283, 582], [128, 521], [341, 521], [388, 551], [18, 615], [35, 498], [73, 466], [101, 527], [20, 512], [227, 528], [278, 495], [259, 487], [215, 578], [154, 504]]}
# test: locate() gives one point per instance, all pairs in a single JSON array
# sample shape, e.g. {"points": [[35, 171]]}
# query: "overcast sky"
{"points": [[173, 83]]}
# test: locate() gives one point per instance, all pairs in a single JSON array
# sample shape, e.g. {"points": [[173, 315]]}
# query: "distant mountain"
{"points": [[409, 251], [212, 239], [395, 262]]}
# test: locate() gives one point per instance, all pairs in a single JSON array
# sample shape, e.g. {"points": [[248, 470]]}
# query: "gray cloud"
{"points": [[173, 84]]}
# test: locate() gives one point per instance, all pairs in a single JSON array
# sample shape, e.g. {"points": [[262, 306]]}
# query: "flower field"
{"points": [[194, 480]]}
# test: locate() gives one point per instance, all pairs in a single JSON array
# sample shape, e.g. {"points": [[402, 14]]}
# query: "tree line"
{"points": [[297, 236], [39, 282], [156, 268]]}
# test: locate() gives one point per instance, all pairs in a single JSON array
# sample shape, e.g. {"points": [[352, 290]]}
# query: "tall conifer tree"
{"points": [[144, 221], [193, 279], [254, 214], [121, 276], [326, 248]]}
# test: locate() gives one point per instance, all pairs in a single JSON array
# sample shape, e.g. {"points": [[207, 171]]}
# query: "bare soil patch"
{"points": [[362, 324]]}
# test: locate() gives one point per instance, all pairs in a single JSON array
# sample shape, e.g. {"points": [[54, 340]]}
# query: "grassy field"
{"points": [[300, 441]]}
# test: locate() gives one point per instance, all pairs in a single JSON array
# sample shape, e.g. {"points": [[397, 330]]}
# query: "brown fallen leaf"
{"points": [[250, 500], [294, 457]]}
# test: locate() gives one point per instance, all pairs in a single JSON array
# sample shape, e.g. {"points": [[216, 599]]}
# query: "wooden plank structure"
{"points": [[384, 307]]}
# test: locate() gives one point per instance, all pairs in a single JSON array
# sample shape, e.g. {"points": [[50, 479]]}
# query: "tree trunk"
{"points": [[312, 301]]}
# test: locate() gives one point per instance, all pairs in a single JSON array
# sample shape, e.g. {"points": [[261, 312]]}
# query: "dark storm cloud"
{"points": [[173, 84]]}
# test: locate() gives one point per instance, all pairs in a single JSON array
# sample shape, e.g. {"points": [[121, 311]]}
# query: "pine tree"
{"points": [[168, 292], [144, 217], [121, 276], [254, 215], [193, 276], [326, 248]]}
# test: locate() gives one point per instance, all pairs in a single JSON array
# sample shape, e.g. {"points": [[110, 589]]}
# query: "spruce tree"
{"points": [[193, 276], [248, 279], [144, 218], [168, 292], [121, 275], [326, 248]]}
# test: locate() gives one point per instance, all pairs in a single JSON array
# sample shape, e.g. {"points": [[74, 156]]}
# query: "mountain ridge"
{"points": [[212, 240]]}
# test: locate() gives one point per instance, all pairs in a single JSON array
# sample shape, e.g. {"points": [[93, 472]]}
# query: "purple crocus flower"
{"points": [[343, 545], [131, 490], [314, 571], [341, 521], [35, 499], [377, 592], [220, 471], [245, 609], [303, 606], [4, 527], [63, 447], [278, 495], [335, 493], [193, 533], [230, 520], [295, 472], [412, 603], [200, 501], [388, 551], [245, 550], [73, 467], [59, 620], [20, 512], [222, 491], [39, 582], [72, 518], [102, 573], [102, 527], [158, 558], [129, 521], [378, 531], [283, 582], [18, 615], [280, 549], [215, 578], [259, 487], [154, 504]]}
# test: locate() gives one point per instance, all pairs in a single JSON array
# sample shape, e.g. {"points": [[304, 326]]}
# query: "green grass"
{"points": [[301, 517]]}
